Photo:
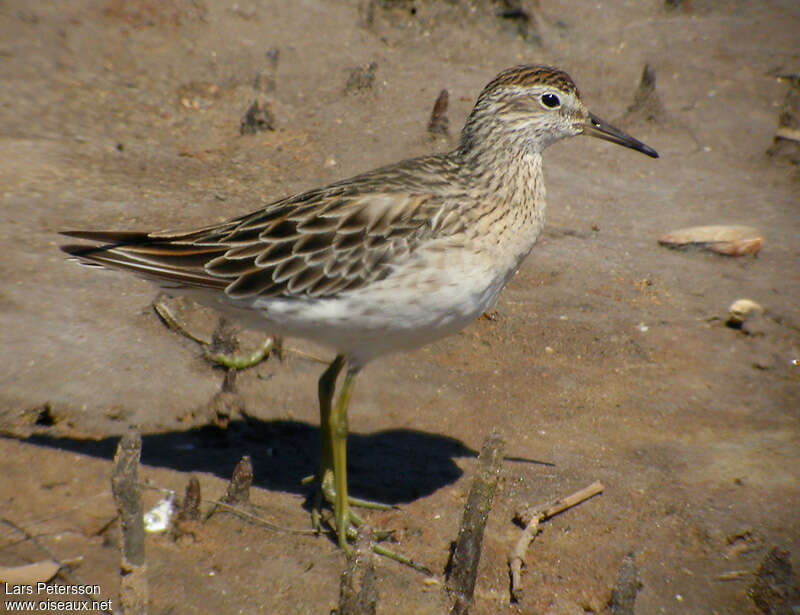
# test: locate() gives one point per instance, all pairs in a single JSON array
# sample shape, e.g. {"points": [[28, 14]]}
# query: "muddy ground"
{"points": [[607, 356]]}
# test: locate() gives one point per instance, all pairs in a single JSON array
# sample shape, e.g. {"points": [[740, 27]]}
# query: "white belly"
{"points": [[430, 296]]}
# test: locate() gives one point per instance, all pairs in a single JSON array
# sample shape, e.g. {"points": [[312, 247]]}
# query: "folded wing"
{"points": [[315, 244]]}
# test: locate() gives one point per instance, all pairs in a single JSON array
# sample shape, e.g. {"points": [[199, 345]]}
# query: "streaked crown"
{"points": [[529, 75]]}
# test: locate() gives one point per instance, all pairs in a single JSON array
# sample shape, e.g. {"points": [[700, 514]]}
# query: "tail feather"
{"points": [[164, 262], [116, 237]]}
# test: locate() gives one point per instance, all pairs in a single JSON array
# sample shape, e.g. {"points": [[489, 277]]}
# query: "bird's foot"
{"points": [[326, 494], [345, 523], [173, 320], [241, 361]]}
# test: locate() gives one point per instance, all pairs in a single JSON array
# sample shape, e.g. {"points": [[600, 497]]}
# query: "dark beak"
{"points": [[595, 127]]}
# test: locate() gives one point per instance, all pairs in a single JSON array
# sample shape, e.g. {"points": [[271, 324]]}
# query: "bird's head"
{"points": [[535, 106]]}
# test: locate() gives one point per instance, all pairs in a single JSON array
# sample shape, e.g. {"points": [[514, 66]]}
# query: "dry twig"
{"points": [[531, 519], [463, 568], [256, 519]]}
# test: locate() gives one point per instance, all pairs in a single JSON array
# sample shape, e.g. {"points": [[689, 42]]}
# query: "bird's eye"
{"points": [[550, 101]]}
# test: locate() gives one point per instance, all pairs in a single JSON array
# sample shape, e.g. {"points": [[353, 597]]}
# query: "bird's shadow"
{"points": [[394, 467]]}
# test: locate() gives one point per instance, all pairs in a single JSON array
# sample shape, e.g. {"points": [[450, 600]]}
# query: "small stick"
{"points": [[627, 585], [531, 519], [733, 575], [133, 590], [357, 593], [256, 519], [190, 507], [188, 520], [439, 124], [401, 559], [463, 567], [238, 493]]}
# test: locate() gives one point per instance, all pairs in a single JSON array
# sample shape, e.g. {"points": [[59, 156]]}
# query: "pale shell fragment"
{"points": [[29, 574], [742, 309], [731, 240], [158, 518]]}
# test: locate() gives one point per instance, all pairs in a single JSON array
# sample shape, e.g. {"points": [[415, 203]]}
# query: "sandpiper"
{"points": [[385, 261]]}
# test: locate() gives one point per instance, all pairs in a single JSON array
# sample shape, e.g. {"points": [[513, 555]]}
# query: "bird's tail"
{"points": [[170, 259]]}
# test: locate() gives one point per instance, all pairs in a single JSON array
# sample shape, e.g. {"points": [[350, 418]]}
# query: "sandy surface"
{"points": [[607, 356]]}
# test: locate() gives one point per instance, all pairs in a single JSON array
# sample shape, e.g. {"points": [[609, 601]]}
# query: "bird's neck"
{"points": [[508, 185], [508, 174], [500, 159]]}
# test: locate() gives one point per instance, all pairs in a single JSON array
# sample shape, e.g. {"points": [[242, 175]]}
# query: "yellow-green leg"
{"points": [[337, 426], [332, 477], [333, 455], [327, 386]]}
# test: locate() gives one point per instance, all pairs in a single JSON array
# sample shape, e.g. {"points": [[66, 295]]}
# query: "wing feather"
{"points": [[314, 244]]}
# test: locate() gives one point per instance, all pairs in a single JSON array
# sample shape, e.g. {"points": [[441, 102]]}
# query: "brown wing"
{"points": [[314, 244]]}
